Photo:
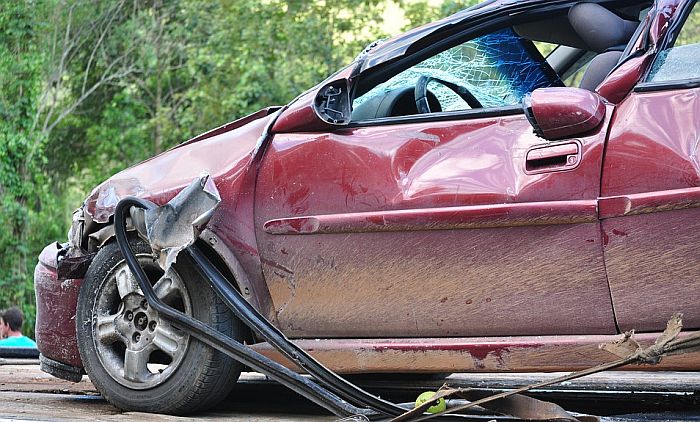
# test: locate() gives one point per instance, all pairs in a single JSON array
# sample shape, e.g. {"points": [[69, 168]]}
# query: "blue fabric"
{"points": [[504, 68], [21, 341]]}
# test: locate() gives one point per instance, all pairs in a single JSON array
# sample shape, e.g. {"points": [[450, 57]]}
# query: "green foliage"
{"points": [[421, 12], [257, 54], [26, 200], [89, 88]]}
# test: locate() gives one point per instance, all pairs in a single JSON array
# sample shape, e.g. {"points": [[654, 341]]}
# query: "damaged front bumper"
{"points": [[57, 279], [56, 301], [62, 267]]}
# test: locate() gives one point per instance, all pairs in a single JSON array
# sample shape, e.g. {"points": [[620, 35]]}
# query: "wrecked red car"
{"points": [[451, 201]]}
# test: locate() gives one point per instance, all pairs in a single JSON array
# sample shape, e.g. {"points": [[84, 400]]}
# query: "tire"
{"points": [[139, 362]]}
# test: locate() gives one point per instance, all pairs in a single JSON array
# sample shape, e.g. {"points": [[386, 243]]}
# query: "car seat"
{"points": [[605, 33]]}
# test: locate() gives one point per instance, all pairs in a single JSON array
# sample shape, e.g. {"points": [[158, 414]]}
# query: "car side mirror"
{"points": [[318, 110], [332, 103], [557, 113]]}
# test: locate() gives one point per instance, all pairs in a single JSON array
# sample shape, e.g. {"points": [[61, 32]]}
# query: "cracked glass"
{"points": [[680, 61], [498, 69]]}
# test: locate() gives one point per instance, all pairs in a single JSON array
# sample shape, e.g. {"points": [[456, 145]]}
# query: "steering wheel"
{"points": [[421, 93]]}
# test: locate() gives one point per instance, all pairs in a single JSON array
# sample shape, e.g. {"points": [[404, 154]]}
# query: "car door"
{"points": [[458, 222], [651, 187]]}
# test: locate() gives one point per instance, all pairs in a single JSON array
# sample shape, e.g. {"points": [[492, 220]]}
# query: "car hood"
{"points": [[224, 153]]}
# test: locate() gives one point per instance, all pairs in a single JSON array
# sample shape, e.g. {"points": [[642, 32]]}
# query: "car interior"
{"points": [[582, 46]]}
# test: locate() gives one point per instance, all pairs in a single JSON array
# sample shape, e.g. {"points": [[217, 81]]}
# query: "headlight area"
{"points": [[73, 258]]}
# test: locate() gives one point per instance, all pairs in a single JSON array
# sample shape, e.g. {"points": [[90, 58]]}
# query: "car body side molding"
{"points": [[447, 218], [470, 354], [649, 202], [489, 216]]}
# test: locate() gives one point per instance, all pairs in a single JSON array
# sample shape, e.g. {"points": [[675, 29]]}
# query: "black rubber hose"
{"points": [[252, 318], [302, 385]]}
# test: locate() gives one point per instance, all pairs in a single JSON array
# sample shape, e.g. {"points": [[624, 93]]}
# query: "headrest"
{"points": [[600, 28]]}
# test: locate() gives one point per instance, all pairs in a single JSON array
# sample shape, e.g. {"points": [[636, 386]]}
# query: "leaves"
{"points": [[90, 88]]}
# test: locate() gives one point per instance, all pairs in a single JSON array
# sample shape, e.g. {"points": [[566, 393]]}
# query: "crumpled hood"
{"points": [[223, 153]]}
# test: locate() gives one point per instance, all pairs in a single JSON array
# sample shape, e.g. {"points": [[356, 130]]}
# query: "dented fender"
{"points": [[228, 153]]}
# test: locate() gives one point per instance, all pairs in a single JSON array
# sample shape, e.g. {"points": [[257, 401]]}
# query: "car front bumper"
{"points": [[56, 302]]}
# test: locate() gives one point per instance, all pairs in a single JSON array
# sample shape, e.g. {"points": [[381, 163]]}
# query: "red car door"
{"points": [[451, 223], [651, 188]]}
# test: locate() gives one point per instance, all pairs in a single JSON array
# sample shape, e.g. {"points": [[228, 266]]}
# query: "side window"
{"points": [[574, 75], [682, 59], [493, 70]]}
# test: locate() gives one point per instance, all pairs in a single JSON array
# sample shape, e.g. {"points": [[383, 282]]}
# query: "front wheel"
{"points": [[139, 361]]}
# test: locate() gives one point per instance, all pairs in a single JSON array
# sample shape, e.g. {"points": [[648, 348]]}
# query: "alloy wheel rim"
{"points": [[136, 347]]}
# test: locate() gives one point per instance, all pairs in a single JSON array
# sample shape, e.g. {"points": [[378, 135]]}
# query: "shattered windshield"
{"points": [[497, 68]]}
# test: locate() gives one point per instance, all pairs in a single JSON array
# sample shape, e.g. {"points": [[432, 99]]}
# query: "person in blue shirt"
{"points": [[11, 330]]}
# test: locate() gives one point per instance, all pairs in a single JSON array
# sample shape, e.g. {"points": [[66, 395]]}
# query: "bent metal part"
{"points": [[332, 391]]}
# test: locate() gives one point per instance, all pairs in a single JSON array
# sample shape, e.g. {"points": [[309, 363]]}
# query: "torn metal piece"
{"points": [[175, 226], [75, 233], [72, 261], [73, 267], [98, 239]]}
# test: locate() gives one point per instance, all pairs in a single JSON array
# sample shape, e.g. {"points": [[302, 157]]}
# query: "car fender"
{"points": [[229, 154]]}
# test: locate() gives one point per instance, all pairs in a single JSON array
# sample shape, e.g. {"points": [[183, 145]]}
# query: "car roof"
{"points": [[400, 45]]}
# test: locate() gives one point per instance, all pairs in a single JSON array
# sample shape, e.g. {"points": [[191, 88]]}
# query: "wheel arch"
{"points": [[208, 242]]}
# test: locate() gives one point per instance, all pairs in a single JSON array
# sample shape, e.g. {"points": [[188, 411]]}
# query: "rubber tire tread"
{"points": [[205, 375]]}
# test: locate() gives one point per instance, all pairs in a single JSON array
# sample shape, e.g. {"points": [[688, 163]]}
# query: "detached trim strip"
{"points": [[470, 114], [448, 218], [667, 85], [649, 202]]}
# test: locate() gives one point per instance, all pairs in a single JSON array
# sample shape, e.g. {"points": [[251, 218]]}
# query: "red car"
{"points": [[451, 201]]}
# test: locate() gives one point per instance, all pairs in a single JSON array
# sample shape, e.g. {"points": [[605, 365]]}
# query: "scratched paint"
{"points": [[55, 311], [652, 166], [483, 354], [228, 152], [393, 204]]}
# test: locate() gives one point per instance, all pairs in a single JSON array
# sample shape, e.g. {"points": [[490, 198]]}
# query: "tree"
{"points": [[42, 85], [91, 87], [21, 156], [422, 12]]}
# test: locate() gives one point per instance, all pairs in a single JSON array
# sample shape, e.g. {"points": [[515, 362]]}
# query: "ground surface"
{"points": [[26, 393]]}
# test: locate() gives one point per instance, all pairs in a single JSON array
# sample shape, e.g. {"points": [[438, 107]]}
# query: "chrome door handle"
{"points": [[557, 157]]}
